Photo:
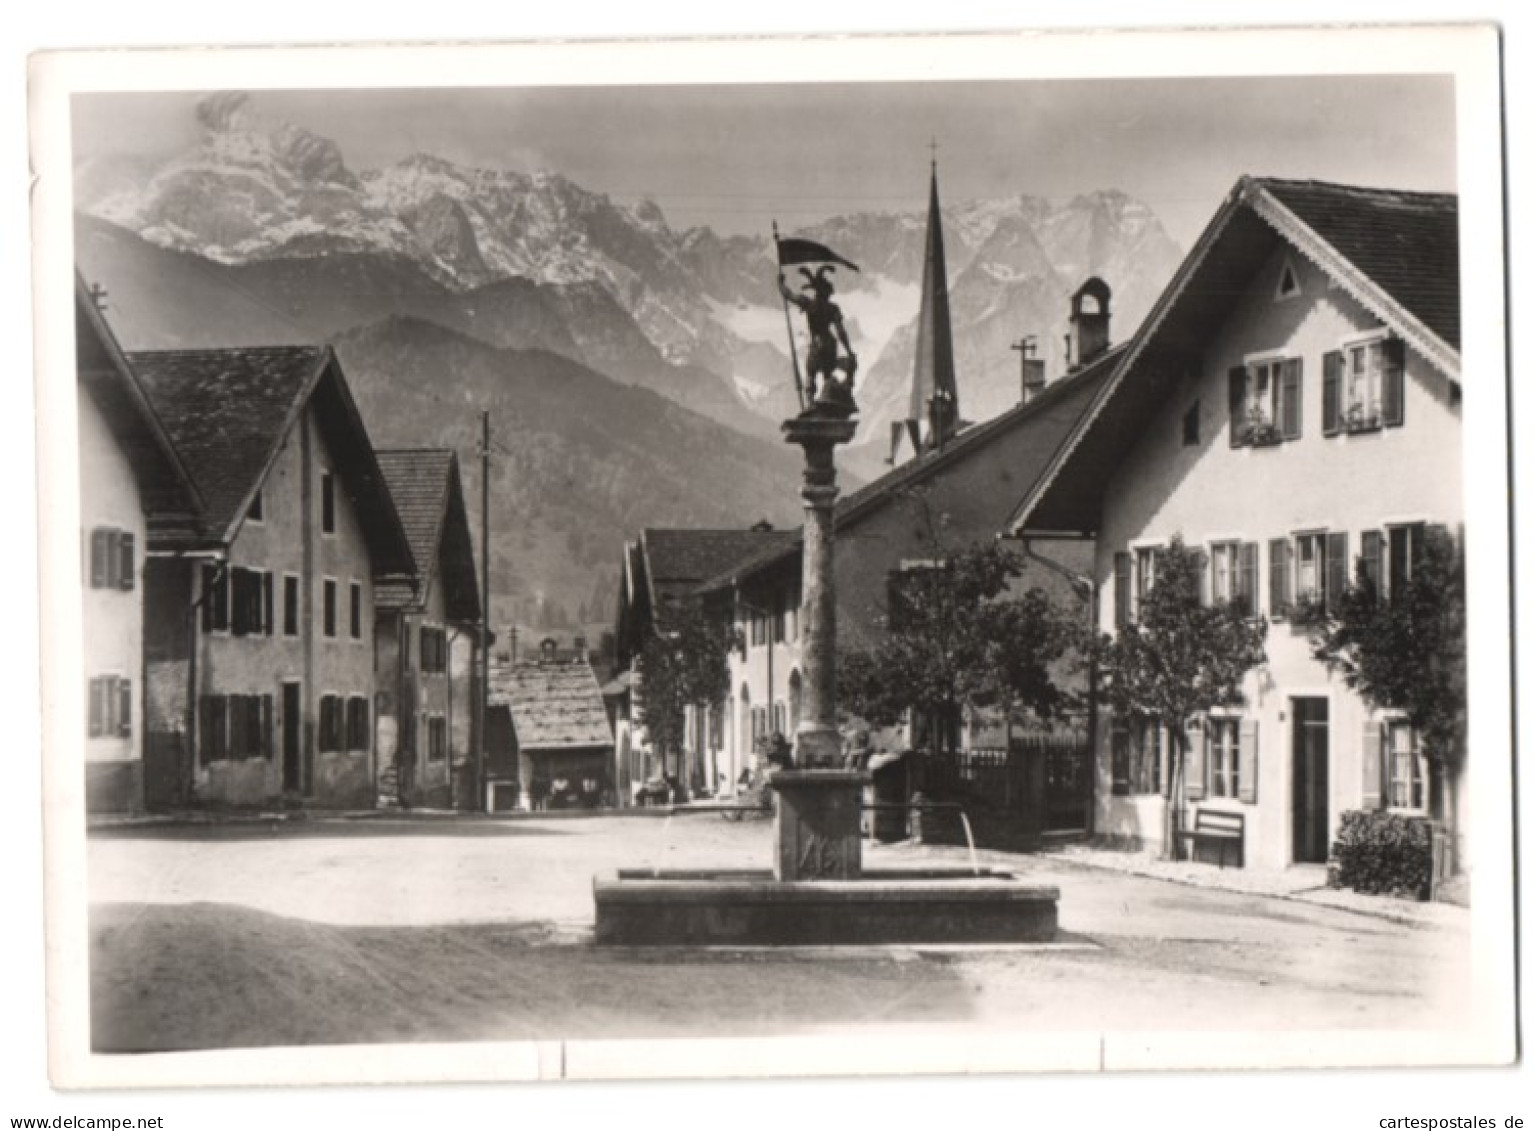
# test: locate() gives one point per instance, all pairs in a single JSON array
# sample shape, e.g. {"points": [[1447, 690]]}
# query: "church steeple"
{"points": [[934, 390]]}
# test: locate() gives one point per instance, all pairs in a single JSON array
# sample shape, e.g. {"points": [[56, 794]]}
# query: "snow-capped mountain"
{"points": [[691, 314]]}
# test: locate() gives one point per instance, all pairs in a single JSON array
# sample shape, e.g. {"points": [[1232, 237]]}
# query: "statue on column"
{"points": [[830, 351]]}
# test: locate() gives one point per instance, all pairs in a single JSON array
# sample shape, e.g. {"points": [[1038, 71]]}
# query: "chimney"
{"points": [[1032, 367], [1089, 321]]}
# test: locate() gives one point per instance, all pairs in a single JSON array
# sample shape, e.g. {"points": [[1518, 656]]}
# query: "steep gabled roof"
{"points": [[1376, 244], [228, 411], [555, 704], [171, 501], [428, 494], [1036, 427]]}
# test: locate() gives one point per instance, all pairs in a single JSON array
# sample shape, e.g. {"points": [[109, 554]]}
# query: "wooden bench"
{"points": [[1211, 826]]}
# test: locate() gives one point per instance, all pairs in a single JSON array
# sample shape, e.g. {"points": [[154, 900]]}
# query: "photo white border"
{"points": [[1468, 53]]}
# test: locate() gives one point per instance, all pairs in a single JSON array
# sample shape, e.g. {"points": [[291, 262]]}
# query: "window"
{"points": [[1288, 282], [1137, 750], [332, 736], [355, 610], [436, 738], [1372, 560], [257, 511], [1224, 757], [109, 707], [433, 649], [249, 719], [906, 588], [1233, 574], [251, 601], [213, 728], [780, 718], [1320, 567], [358, 733], [289, 605], [1265, 402], [1190, 426], [330, 606], [1122, 569], [1364, 386], [1404, 777], [112, 564], [327, 503], [215, 598]]}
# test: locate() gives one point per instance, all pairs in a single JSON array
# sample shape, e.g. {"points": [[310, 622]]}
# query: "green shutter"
{"points": [[1236, 387], [1372, 771], [1246, 764], [1393, 383], [126, 566], [1120, 590], [1195, 784], [1278, 578], [1336, 567], [1331, 393], [1291, 384]]}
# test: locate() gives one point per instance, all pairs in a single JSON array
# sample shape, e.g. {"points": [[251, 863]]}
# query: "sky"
{"points": [[737, 157]]}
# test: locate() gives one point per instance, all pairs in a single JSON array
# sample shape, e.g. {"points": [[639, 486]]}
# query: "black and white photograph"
{"points": [[758, 558]]}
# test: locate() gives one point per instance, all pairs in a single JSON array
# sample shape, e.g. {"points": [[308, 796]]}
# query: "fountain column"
{"points": [[819, 803]]}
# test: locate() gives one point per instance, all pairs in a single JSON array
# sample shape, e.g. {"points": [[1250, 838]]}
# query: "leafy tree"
{"points": [[958, 637], [683, 663], [1405, 651], [1177, 660]]}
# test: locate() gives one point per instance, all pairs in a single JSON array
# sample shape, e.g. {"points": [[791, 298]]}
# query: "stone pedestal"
{"points": [[817, 742], [818, 824]]}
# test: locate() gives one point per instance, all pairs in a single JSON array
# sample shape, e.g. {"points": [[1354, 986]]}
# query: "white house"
{"points": [[130, 479], [1291, 407]]}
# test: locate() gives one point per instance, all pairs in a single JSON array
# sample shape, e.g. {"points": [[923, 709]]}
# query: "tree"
{"points": [[957, 638], [1178, 659], [1405, 650], [683, 663]]}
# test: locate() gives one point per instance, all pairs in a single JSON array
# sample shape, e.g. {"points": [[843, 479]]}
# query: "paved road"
{"points": [[407, 929]]}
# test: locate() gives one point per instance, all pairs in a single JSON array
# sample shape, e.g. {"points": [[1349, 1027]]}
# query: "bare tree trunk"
{"points": [[1171, 821]]}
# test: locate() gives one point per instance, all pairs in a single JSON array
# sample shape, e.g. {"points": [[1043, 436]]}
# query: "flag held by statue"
{"points": [[796, 250]]}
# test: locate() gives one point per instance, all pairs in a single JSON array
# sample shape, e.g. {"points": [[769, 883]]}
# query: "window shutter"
{"points": [[1331, 393], [1336, 567], [125, 560], [1372, 748], [1120, 590], [125, 707], [266, 726], [100, 551], [1393, 383], [1247, 579], [1247, 767], [1195, 785], [1289, 393], [93, 708], [1373, 554], [1118, 731], [1278, 578], [1237, 398], [239, 602], [268, 605]]}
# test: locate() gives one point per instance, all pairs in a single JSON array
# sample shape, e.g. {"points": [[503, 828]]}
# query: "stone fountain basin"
{"points": [[746, 907]]}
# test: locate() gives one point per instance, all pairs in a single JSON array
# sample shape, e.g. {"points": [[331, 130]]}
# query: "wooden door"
{"points": [[1312, 824]]}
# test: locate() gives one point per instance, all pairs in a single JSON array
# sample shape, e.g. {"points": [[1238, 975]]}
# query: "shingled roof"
{"points": [[1406, 242], [1042, 423], [1396, 253], [679, 560], [227, 412], [428, 494], [555, 704]]}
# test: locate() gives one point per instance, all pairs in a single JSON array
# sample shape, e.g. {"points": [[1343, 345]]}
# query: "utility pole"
{"points": [[482, 750]]}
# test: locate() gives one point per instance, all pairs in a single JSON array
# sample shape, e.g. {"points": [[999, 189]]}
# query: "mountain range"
{"points": [[261, 232]]}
